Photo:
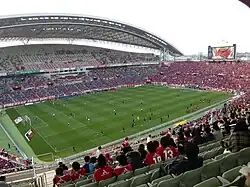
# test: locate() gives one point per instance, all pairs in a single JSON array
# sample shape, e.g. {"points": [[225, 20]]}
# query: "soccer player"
{"points": [[123, 129], [54, 115], [161, 119], [166, 150], [68, 124], [141, 109], [74, 149]]}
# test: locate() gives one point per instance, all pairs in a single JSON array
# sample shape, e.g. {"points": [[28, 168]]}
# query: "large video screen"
{"points": [[225, 52]]}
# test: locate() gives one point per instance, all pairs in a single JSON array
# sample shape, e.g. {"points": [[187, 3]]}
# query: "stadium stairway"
{"points": [[49, 175]]}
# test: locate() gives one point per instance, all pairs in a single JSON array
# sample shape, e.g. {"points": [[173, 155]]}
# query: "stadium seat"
{"points": [[106, 182], [203, 149], [155, 174], [191, 178], [66, 184], [121, 183], [244, 157], [207, 161], [94, 184], [140, 179], [231, 174], [125, 176], [143, 185], [141, 170], [229, 162], [220, 151], [173, 182], [155, 166], [83, 182], [221, 156], [211, 169], [212, 182], [156, 181]]}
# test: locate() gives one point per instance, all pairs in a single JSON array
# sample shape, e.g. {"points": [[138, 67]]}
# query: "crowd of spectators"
{"points": [[37, 57], [222, 76], [182, 142], [10, 163], [29, 88]]}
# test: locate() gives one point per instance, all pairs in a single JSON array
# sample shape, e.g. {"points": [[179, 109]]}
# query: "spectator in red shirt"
{"points": [[60, 177], [104, 171], [125, 143], [109, 159], [156, 143], [152, 157], [123, 166], [166, 150], [77, 172]]}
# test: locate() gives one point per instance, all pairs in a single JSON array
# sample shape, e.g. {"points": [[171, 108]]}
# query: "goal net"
{"points": [[27, 120]]}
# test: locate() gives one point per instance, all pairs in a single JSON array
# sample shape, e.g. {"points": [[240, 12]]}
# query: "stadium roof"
{"points": [[42, 26], [246, 2]]}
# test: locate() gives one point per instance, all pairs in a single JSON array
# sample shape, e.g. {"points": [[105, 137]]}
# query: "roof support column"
{"points": [[164, 54]]}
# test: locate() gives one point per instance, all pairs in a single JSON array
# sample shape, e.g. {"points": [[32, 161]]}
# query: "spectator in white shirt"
{"points": [[149, 138], [99, 151]]}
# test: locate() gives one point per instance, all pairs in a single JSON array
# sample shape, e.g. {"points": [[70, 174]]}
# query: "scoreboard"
{"points": [[222, 53]]}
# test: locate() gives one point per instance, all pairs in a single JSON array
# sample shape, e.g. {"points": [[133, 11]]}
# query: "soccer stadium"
{"points": [[79, 115]]}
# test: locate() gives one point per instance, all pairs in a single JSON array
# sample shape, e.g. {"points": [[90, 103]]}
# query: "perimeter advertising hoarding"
{"points": [[224, 52]]}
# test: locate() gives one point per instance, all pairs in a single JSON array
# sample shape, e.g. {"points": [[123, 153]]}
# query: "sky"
{"points": [[190, 25]]}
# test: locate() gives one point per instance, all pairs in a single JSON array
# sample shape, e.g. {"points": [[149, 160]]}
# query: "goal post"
{"points": [[27, 120]]}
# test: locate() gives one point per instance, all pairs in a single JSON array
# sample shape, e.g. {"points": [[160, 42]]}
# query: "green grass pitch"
{"points": [[95, 112]]}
